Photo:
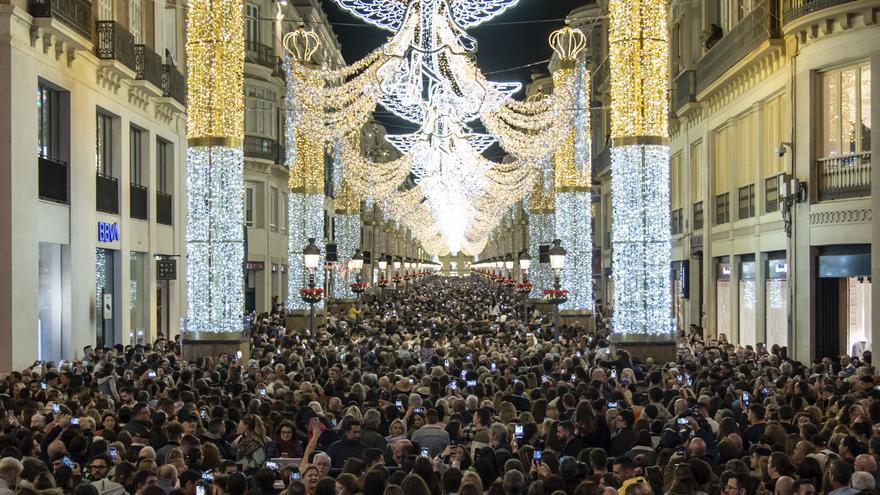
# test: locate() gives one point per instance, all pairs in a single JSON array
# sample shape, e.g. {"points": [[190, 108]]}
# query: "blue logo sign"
{"points": [[108, 232]]}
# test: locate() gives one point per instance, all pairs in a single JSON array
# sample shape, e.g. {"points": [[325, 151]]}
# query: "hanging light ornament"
{"points": [[425, 74]]}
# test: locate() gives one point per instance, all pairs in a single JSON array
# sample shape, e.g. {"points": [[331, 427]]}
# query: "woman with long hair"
{"points": [[285, 443], [415, 485], [250, 443]]}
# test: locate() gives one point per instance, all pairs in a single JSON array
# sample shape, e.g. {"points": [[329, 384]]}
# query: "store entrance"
{"points": [[105, 297], [843, 301]]}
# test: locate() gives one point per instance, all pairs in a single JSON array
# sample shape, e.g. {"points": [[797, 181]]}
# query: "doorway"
{"points": [[105, 297]]}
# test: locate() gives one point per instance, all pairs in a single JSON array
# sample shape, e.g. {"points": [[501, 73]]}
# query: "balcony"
{"points": [[148, 65], [115, 43], [53, 180], [844, 177], [795, 9], [261, 148], [164, 208], [757, 27], [173, 84], [258, 53], [138, 202], [107, 194], [685, 89], [74, 14]]}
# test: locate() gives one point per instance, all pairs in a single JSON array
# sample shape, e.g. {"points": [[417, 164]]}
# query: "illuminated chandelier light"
{"points": [[215, 178], [431, 81]]}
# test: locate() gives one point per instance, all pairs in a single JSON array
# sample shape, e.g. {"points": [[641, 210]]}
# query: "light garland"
{"points": [[348, 238], [640, 237], [460, 196], [305, 215], [214, 239], [215, 70], [641, 256], [542, 230]]}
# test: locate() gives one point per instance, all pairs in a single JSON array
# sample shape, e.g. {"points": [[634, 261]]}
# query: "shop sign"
{"points": [[254, 265], [166, 270], [108, 232]]}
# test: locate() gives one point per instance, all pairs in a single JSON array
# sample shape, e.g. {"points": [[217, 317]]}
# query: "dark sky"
{"points": [[517, 37]]}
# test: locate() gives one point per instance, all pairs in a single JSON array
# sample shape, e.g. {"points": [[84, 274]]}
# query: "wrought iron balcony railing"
{"points": [[115, 43], [75, 14], [148, 65]]}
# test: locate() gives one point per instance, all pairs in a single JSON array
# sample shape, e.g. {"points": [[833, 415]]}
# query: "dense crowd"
{"points": [[440, 388]]}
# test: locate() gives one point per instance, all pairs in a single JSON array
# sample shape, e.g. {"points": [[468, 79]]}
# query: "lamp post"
{"points": [[383, 265], [525, 262], [557, 262], [311, 258], [396, 264], [356, 264]]}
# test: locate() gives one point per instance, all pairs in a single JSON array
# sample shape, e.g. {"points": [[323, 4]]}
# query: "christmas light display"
{"points": [[215, 182], [640, 237], [425, 74]]}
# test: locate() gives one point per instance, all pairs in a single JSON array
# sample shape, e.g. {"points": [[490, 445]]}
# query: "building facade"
{"points": [[94, 190]]}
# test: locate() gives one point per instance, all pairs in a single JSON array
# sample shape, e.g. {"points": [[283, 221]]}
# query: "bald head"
{"points": [[784, 486], [168, 472], [866, 463], [681, 406], [697, 447]]}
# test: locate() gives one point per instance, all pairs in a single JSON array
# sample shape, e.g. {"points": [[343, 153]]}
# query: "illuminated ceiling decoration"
{"points": [[640, 236], [442, 188]]}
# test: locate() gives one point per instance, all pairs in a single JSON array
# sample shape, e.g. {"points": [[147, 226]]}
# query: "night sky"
{"points": [[517, 37]]}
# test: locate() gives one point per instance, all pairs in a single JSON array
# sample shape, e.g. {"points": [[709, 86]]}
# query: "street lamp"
{"points": [[557, 262], [525, 262], [397, 263], [356, 264], [383, 264], [311, 258], [508, 263]]}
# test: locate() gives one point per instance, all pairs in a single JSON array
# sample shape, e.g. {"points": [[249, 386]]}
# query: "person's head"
{"points": [[756, 413], [351, 429], [623, 469], [783, 486], [866, 463], [514, 482], [739, 483], [564, 431], [99, 467], [839, 473], [10, 470], [373, 457], [863, 481], [803, 487], [322, 462]]}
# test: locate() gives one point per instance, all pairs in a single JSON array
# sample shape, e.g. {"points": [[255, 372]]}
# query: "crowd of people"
{"points": [[440, 388]]}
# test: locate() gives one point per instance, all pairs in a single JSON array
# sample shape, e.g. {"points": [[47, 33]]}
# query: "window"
{"points": [[164, 166], [260, 112], [722, 208], [105, 10], [720, 154], [136, 20], [846, 111], [48, 122], [747, 201], [283, 211], [249, 205], [136, 152], [104, 144], [273, 209], [698, 215], [696, 171], [251, 23], [771, 194]]}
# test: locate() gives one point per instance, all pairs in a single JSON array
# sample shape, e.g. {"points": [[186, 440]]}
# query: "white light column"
{"points": [[639, 53], [215, 182]]}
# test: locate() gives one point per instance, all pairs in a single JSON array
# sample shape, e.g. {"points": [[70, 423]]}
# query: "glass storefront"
{"points": [[52, 303], [138, 303], [858, 315], [776, 305], [722, 297], [748, 301], [105, 297]]}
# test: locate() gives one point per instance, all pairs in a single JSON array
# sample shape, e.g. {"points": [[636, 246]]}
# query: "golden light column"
{"points": [[215, 182], [305, 160], [640, 237], [571, 172]]}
